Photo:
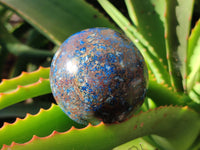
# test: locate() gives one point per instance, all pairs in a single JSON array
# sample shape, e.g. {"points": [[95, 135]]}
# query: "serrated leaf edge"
{"points": [[27, 116], [21, 88], [145, 48], [88, 126], [24, 86], [51, 135], [40, 69]]}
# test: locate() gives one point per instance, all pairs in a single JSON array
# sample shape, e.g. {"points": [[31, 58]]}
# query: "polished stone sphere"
{"points": [[98, 75]]}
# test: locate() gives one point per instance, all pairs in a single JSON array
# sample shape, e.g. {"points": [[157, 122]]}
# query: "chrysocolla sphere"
{"points": [[98, 75]]}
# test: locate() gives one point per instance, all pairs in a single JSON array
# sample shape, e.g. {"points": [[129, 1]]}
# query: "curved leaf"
{"points": [[193, 56], [24, 79], [165, 96], [138, 144], [21, 93], [177, 24], [195, 93], [148, 16], [145, 48], [21, 109], [12, 45], [183, 124], [25, 86], [57, 19], [41, 124]]}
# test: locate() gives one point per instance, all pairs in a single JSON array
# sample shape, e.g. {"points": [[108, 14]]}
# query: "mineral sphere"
{"points": [[98, 75]]}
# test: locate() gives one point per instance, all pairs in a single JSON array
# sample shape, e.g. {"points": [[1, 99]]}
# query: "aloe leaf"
{"points": [[24, 79], [193, 56], [21, 93], [194, 76], [159, 121], [138, 143], [148, 17], [196, 144], [21, 109], [195, 93], [61, 19], [145, 48], [41, 124], [25, 86], [184, 16], [11, 44], [177, 25], [165, 96]]}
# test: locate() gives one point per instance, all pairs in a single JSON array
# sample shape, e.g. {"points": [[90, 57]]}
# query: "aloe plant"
{"points": [[168, 119]]}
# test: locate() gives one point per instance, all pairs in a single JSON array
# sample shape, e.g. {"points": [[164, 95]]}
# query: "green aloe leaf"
{"points": [[21, 109], [148, 17], [165, 96], [57, 19], [25, 86], [159, 121], [12, 45], [145, 48], [193, 56], [195, 93], [22, 93], [24, 79], [41, 124], [138, 144], [177, 25]]}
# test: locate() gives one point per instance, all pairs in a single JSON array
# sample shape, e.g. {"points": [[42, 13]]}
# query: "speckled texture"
{"points": [[98, 74]]}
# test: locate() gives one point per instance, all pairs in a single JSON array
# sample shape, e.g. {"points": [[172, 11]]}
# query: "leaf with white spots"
{"points": [[150, 55], [148, 17], [177, 25]]}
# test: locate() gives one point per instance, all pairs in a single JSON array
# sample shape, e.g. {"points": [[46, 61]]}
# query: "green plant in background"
{"points": [[162, 32]]}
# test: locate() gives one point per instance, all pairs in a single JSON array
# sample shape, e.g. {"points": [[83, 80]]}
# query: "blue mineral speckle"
{"points": [[83, 50], [98, 74], [81, 42]]}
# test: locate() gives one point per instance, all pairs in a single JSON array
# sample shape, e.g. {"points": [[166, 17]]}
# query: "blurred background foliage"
{"points": [[29, 39], [12, 63]]}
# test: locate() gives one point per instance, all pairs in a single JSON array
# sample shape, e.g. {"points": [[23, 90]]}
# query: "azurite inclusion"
{"points": [[98, 75]]}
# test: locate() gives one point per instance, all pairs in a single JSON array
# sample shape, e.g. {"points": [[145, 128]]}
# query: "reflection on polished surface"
{"points": [[98, 75], [71, 67]]}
